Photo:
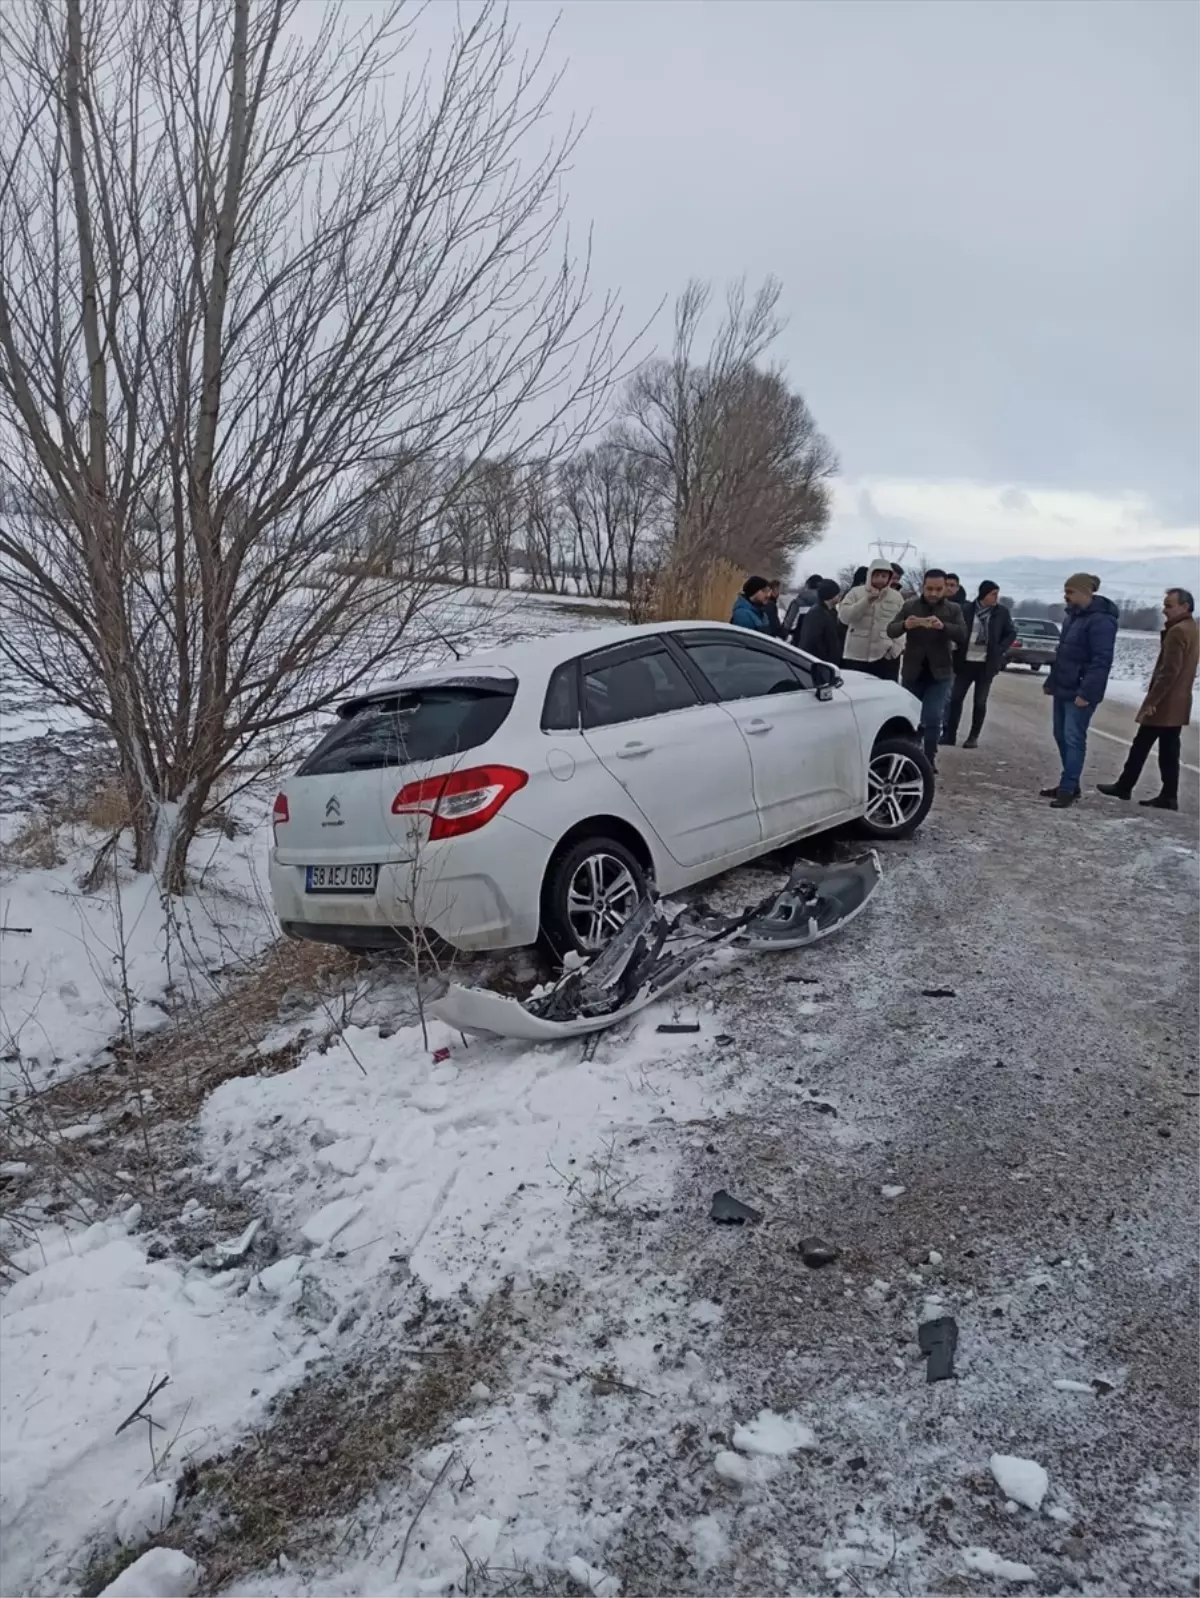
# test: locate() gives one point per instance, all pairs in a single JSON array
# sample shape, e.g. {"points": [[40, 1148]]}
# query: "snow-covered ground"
{"points": [[382, 1170], [446, 1317], [93, 966]]}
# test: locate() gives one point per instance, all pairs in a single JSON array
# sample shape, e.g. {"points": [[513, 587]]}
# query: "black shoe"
{"points": [[948, 743], [1063, 800], [1159, 802], [1115, 791], [1048, 793], [971, 743]]}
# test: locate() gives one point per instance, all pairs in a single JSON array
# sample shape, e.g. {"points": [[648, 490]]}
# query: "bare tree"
{"points": [[235, 278], [739, 464], [611, 511]]}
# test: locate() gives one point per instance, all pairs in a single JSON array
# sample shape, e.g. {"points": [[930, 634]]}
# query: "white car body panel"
{"points": [[705, 791], [689, 775]]}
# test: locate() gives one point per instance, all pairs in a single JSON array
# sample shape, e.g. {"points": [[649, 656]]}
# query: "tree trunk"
{"points": [[177, 821]]}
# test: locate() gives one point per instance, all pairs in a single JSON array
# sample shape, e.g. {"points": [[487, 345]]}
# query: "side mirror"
{"points": [[825, 679]]}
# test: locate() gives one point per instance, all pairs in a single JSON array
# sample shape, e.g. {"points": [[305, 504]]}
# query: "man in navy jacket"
{"points": [[1078, 679]]}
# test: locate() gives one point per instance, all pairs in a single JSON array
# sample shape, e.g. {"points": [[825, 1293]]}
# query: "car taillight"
{"points": [[460, 801], [279, 815]]}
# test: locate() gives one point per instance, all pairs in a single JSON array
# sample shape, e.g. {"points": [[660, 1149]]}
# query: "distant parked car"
{"points": [[541, 790], [1035, 645]]}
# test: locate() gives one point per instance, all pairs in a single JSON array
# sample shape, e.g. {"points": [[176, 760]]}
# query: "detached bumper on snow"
{"points": [[654, 952]]}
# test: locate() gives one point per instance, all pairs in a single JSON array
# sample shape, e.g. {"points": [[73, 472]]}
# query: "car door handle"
{"points": [[633, 751], [758, 726]]}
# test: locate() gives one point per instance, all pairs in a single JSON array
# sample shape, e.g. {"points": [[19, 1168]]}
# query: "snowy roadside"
{"points": [[444, 1316], [383, 1174], [88, 967]]}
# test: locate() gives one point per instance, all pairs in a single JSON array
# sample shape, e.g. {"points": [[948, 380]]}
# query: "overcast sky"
{"points": [[985, 218]]}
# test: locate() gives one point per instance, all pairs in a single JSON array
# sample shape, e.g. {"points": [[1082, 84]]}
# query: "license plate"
{"points": [[340, 879]]}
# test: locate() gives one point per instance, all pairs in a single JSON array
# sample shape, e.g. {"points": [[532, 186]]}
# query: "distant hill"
{"points": [[1024, 577]]}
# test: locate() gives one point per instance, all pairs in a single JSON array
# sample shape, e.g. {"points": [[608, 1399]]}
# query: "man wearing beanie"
{"points": [[865, 613], [750, 606], [990, 630], [1078, 679], [820, 636]]}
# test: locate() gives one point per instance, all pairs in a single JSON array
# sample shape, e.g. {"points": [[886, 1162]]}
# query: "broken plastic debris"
{"points": [[655, 951], [729, 1211], [937, 1340], [938, 993], [678, 1026], [440, 1056], [815, 1251], [892, 1190]]}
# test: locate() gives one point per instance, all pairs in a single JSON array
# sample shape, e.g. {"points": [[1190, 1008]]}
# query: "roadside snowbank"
{"points": [[87, 1334], [93, 965]]}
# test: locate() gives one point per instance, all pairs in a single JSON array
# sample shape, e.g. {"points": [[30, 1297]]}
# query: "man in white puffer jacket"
{"points": [[865, 613]]}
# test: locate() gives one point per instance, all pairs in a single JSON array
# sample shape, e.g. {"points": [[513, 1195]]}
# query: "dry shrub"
{"points": [[105, 809], [34, 845], [695, 591]]}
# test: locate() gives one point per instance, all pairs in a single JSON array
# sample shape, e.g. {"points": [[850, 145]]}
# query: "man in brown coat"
{"points": [[1167, 708]]}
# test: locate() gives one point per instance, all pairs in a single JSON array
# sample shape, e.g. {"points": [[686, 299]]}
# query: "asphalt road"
{"points": [[1040, 1116], [1025, 707]]}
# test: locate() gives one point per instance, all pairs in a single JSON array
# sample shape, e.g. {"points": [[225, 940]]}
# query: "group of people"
{"points": [[942, 646]]}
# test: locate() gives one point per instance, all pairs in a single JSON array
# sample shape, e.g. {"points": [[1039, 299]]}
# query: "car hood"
{"points": [[864, 689]]}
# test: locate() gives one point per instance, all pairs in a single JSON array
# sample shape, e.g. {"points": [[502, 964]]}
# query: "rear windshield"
{"points": [[412, 727], [1036, 629]]}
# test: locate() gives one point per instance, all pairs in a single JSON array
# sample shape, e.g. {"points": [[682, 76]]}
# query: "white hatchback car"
{"points": [[538, 791]]}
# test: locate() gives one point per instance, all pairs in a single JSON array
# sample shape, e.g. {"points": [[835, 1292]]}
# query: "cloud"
{"points": [[958, 521]]}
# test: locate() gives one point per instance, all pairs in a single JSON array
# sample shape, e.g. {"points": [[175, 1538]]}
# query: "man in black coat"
{"points": [[990, 631], [820, 634], [931, 625]]}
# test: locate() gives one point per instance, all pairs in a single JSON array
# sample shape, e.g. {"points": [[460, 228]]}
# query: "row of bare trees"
{"points": [[286, 335], [709, 457]]}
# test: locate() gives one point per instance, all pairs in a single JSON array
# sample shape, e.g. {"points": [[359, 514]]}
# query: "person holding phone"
{"points": [[931, 626]]}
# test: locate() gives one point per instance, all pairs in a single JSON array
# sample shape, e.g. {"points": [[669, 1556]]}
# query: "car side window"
{"points": [[560, 712], [630, 688], [738, 672]]}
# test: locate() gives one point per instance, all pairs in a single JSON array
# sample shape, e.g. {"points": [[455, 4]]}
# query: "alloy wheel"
{"points": [[601, 897], [895, 789]]}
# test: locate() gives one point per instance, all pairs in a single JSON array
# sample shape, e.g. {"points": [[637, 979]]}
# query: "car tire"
{"points": [[1033, 667], [895, 764], [591, 867]]}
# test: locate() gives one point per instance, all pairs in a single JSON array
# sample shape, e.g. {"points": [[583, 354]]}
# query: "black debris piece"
{"points": [[1100, 1387], [728, 1211], [808, 981], [815, 1251], [937, 1340], [678, 1026], [820, 1106], [859, 1462], [724, 1039], [938, 993]]}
